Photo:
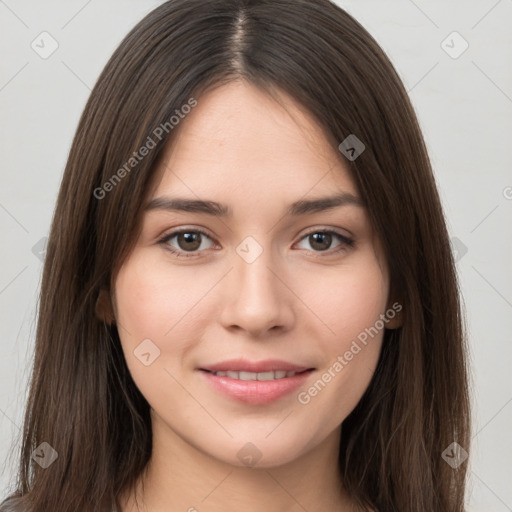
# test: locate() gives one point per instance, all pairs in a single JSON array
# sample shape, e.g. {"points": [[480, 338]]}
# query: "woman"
{"points": [[249, 298]]}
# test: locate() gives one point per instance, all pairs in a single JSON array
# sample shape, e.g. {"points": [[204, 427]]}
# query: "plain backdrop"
{"points": [[462, 96]]}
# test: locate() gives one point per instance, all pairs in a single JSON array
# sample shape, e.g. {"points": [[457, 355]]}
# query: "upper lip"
{"points": [[243, 365]]}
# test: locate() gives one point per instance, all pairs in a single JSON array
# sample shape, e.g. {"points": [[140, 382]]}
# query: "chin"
{"points": [[258, 452]]}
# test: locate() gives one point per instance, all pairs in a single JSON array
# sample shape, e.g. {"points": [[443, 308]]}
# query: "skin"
{"points": [[295, 302]]}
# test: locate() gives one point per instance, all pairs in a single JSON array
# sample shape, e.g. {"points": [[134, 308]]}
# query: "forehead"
{"points": [[239, 137]]}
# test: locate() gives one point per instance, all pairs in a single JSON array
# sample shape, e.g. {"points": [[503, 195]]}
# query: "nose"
{"points": [[257, 298]]}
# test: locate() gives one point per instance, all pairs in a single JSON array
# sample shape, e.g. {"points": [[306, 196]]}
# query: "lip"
{"points": [[244, 365], [255, 392]]}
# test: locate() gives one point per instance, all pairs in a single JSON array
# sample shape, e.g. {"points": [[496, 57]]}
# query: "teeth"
{"points": [[265, 376], [278, 374], [247, 376]]}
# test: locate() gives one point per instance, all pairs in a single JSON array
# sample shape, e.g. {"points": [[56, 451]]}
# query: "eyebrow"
{"points": [[301, 207]]}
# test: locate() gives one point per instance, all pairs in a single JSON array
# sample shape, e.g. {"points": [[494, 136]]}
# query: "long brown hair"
{"points": [[82, 400]]}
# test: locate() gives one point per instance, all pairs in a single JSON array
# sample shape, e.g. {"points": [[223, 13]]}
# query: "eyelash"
{"points": [[345, 242]]}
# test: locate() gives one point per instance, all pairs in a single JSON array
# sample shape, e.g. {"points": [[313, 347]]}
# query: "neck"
{"points": [[180, 477]]}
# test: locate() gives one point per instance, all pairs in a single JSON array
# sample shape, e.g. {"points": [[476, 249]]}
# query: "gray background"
{"points": [[464, 104]]}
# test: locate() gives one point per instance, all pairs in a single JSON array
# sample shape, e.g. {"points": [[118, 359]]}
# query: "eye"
{"points": [[321, 241], [189, 241]]}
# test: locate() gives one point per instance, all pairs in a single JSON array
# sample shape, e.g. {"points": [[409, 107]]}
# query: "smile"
{"points": [[255, 388], [272, 375]]}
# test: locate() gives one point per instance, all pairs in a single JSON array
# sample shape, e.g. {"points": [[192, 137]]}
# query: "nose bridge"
{"points": [[255, 298], [252, 268]]}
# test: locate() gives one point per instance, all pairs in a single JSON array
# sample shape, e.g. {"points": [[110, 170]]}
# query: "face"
{"points": [[304, 289]]}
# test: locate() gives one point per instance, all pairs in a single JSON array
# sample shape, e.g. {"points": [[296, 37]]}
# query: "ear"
{"points": [[104, 309], [394, 315]]}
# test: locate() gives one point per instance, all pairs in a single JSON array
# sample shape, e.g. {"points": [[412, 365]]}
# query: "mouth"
{"points": [[260, 376], [255, 388]]}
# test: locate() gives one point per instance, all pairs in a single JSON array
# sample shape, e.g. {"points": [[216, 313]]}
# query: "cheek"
{"points": [[348, 301], [353, 307], [154, 302]]}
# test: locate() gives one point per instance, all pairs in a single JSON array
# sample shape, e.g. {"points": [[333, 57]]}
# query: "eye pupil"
{"points": [[323, 238], [189, 238]]}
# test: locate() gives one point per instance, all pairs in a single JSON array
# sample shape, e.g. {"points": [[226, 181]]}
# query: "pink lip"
{"points": [[256, 392], [243, 365]]}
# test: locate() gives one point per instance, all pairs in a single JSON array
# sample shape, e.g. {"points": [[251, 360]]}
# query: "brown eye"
{"points": [[321, 241], [187, 241]]}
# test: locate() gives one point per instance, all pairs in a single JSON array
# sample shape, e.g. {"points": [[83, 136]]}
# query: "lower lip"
{"points": [[256, 392]]}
